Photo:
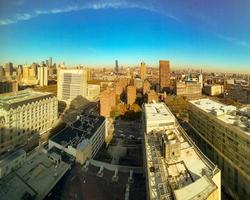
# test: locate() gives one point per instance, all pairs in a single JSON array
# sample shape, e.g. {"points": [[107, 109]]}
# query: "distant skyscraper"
{"points": [[116, 66], [201, 79], [164, 74], [43, 75], [143, 70], [50, 62], [9, 70], [71, 83]]}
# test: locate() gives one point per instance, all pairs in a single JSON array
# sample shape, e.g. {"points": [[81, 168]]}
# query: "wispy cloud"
{"points": [[71, 8], [233, 40]]}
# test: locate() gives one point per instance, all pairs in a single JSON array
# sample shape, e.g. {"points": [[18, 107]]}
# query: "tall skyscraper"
{"points": [[71, 83], [50, 62], [164, 74], [116, 66], [43, 75], [143, 70]]}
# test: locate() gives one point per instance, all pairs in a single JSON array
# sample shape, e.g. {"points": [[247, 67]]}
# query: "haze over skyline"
{"points": [[189, 33]]}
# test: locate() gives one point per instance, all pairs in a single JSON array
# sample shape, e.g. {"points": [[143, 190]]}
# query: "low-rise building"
{"points": [[12, 162], [34, 177], [82, 139], [175, 167], [8, 86], [213, 90], [189, 89], [240, 94]]}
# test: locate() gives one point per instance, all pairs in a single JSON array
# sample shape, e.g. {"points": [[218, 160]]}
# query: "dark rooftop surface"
{"points": [[78, 184], [81, 129]]}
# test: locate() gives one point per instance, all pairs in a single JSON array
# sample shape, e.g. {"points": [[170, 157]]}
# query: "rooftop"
{"points": [[175, 178], [158, 111], [34, 179], [13, 100], [225, 113], [83, 128], [12, 156]]}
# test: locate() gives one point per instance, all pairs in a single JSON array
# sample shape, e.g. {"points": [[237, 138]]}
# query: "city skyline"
{"points": [[96, 33]]}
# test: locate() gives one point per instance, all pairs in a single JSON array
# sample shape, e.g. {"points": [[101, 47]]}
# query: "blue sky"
{"points": [[202, 33]]}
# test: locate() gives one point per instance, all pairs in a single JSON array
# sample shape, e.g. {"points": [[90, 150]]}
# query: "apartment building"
{"points": [[224, 134]]}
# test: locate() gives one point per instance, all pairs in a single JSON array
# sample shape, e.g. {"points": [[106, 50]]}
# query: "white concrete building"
{"points": [[43, 75], [213, 90], [24, 115], [224, 133], [82, 139], [71, 83], [158, 117], [175, 167]]}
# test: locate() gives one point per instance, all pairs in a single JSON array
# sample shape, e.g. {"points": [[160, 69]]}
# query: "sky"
{"points": [[190, 33]]}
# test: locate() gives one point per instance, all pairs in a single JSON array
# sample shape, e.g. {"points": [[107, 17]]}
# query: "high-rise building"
{"points": [[8, 70], [107, 101], [143, 70], [50, 62], [164, 74], [175, 167], [223, 134], [131, 94], [23, 116], [43, 75], [71, 83], [116, 66], [201, 80]]}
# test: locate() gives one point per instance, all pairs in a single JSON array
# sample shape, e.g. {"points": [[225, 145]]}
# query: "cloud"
{"points": [[233, 40], [71, 8]]}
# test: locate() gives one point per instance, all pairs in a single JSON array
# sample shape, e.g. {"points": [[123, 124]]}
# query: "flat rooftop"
{"points": [[180, 174], [158, 111], [83, 128], [14, 99], [34, 179], [225, 113]]}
